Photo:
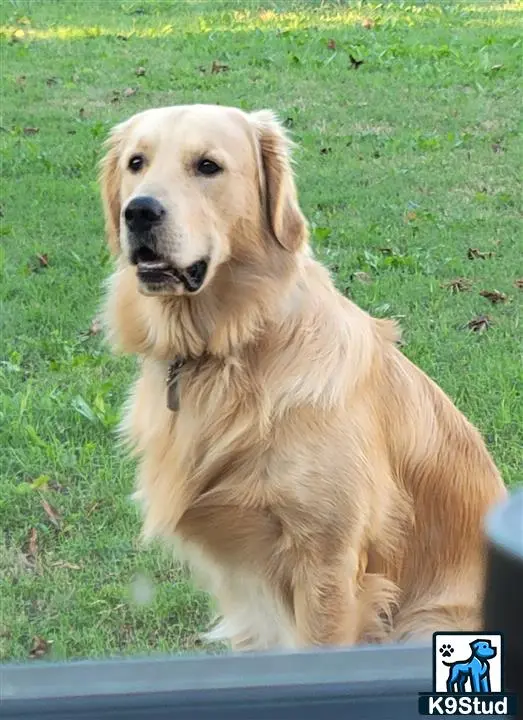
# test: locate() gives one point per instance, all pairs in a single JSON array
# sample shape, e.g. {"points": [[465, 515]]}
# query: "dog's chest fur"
{"points": [[200, 486]]}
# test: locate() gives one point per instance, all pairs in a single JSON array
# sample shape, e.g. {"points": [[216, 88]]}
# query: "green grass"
{"points": [[404, 164]]}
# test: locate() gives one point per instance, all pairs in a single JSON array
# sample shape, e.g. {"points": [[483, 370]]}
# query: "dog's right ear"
{"points": [[110, 181], [285, 218]]}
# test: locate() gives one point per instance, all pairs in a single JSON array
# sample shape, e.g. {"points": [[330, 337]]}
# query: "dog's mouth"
{"points": [[158, 275]]}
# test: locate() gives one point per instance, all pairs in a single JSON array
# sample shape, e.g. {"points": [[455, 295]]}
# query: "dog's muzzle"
{"points": [[155, 272]]}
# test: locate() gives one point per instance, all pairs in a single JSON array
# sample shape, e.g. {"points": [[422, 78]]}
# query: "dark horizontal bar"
{"points": [[372, 683]]}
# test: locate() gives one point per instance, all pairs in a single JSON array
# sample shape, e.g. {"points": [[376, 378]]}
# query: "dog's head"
{"points": [[188, 188], [483, 649]]}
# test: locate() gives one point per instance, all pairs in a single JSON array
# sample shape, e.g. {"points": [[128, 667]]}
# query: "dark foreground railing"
{"points": [[370, 683], [504, 597]]}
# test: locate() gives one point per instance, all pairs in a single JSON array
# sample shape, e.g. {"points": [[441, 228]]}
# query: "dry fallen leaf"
{"points": [[129, 92], [475, 254], [95, 327], [32, 544], [31, 130], [495, 296], [363, 277], [93, 507], [218, 67], [140, 71], [28, 558], [126, 632], [55, 485], [65, 565], [518, 283], [39, 647], [51, 513], [479, 324], [459, 284], [38, 262], [331, 44], [368, 23], [355, 64], [410, 216]]}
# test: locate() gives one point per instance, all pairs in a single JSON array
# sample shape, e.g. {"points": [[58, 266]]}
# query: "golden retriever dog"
{"points": [[321, 487]]}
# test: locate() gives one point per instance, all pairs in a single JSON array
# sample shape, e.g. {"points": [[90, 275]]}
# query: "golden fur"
{"points": [[321, 486]]}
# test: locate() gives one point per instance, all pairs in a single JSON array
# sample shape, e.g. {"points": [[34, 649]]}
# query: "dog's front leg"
{"points": [[325, 606]]}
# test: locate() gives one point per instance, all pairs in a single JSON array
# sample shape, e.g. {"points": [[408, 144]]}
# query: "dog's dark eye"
{"points": [[208, 167], [136, 163]]}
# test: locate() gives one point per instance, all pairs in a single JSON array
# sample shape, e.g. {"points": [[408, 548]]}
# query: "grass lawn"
{"points": [[409, 169]]}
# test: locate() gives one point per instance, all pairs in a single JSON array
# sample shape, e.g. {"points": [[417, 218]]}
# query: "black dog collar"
{"points": [[173, 384]]}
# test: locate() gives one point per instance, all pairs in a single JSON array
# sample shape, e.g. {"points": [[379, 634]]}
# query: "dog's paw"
{"points": [[446, 651]]}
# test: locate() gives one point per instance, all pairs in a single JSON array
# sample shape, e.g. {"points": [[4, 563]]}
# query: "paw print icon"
{"points": [[446, 651]]}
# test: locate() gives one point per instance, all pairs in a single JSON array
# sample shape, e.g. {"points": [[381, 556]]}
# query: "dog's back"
{"points": [[436, 482], [440, 461], [431, 479]]}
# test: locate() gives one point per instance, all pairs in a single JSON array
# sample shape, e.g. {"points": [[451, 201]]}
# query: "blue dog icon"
{"points": [[476, 669]]}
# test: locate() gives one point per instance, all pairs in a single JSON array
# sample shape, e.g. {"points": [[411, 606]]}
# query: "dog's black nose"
{"points": [[142, 213]]}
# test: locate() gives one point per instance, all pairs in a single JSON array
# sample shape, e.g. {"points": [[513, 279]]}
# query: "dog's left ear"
{"points": [[285, 218], [110, 188]]}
